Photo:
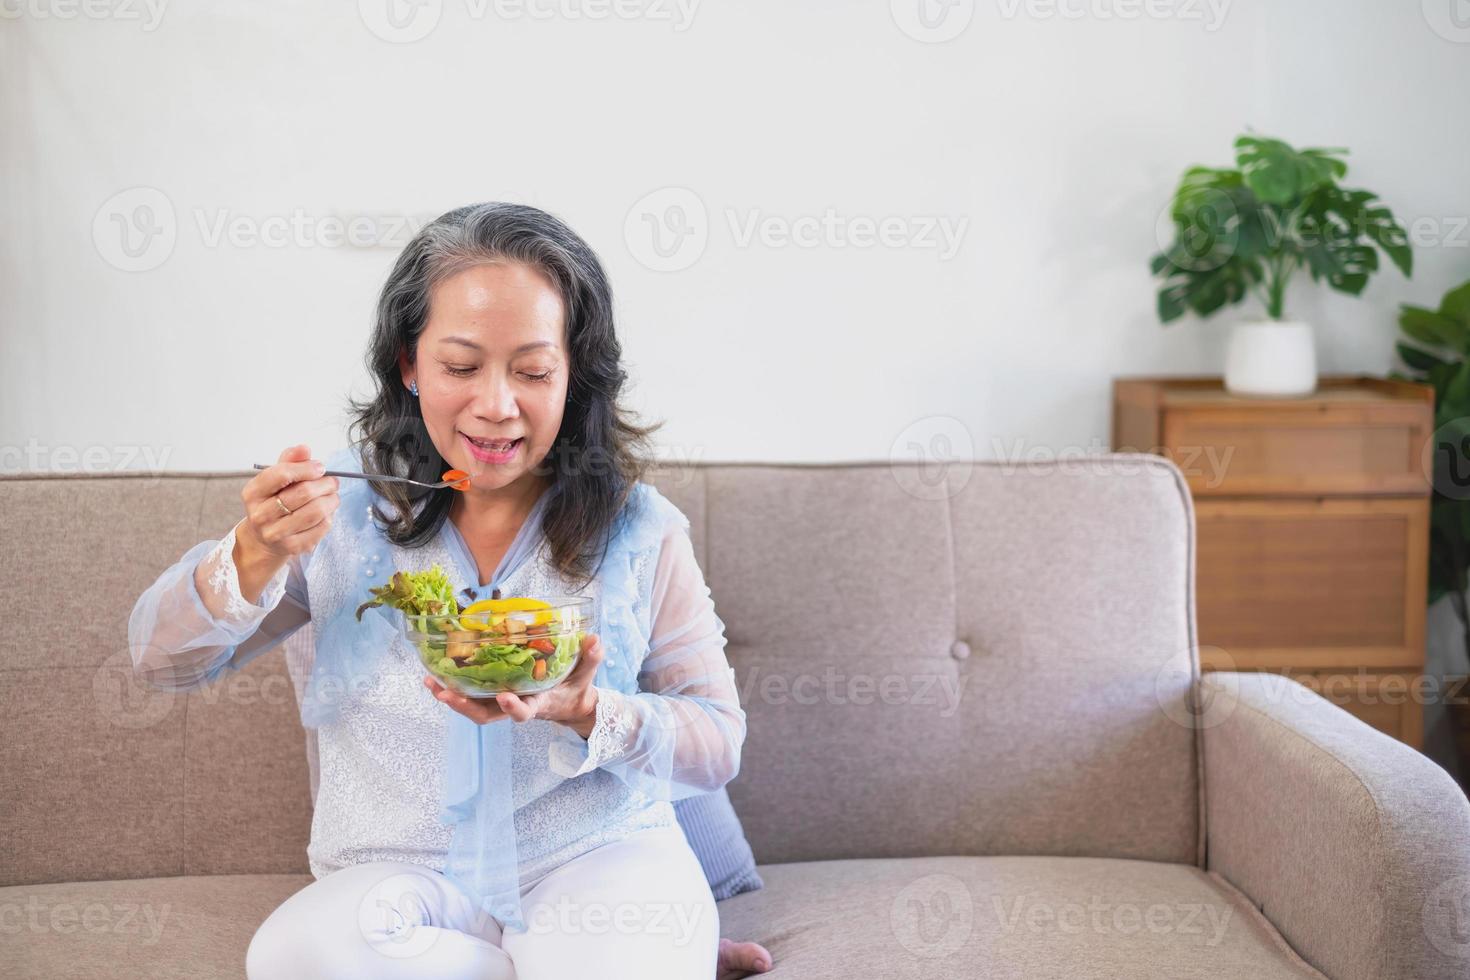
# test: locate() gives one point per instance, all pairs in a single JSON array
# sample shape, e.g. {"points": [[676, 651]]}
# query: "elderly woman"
{"points": [[529, 836]]}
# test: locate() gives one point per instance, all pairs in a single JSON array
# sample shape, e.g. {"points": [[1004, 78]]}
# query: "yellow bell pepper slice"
{"points": [[499, 607]]}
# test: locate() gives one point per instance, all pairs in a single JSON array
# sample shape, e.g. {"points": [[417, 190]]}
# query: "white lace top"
{"points": [[379, 793]]}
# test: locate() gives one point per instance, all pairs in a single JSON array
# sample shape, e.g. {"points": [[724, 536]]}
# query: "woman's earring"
{"points": [[413, 386]]}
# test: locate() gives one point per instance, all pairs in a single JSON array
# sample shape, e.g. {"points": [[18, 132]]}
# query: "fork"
{"points": [[384, 479]]}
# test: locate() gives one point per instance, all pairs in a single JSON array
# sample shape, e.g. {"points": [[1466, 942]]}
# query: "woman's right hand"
{"points": [[288, 509]]}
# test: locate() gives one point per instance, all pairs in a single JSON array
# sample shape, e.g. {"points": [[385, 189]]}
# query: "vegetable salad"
{"points": [[513, 644]]}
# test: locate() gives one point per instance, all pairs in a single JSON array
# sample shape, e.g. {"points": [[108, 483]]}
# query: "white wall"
{"points": [[1052, 140], [1053, 133]]}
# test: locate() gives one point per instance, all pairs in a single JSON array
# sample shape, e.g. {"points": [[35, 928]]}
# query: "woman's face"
{"points": [[492, 368]]}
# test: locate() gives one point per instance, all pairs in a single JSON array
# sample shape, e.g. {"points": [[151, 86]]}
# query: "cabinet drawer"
{"points": [[1326, 448], [1319, 583]]}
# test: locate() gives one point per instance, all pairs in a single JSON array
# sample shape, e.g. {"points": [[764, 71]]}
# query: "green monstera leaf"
{"points": [[1243, 231]]}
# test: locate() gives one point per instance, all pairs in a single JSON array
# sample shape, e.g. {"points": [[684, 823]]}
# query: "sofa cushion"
{"points": [[1003, 918], [189, 928], [994, 665], [161, 784], [1007, 918]]}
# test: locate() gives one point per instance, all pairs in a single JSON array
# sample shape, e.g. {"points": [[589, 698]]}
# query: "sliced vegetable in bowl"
{"points": [[489, 614], [520, 644], [427, 593]]}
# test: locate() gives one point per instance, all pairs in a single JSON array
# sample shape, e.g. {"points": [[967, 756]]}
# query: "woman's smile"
{"points": [[495, 453]]}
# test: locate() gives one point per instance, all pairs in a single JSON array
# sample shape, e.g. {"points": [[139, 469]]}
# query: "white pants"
{"points": [[639, 907]]}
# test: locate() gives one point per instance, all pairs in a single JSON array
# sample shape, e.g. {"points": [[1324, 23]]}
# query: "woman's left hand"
{"points": [[573, 702]]}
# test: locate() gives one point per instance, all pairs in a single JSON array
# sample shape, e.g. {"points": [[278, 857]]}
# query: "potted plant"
{"points": [[1436, 348], [1245, 230]]}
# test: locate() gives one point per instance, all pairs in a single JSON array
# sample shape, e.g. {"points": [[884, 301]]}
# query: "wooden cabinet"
{"points": [[1312, 520]]}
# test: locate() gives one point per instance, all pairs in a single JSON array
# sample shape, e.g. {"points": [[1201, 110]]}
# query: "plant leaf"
{"points": [[1456, 305], [1435, 329], [1416, 358], [1280, 174]]}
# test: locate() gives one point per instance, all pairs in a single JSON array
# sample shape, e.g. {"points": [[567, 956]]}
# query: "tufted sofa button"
{"points": [[960, 650]]}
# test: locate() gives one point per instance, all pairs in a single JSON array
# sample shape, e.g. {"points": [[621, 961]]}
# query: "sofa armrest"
{"points": [[1355, 846]]}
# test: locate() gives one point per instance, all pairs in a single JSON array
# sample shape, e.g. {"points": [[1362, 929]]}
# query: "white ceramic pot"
{"points": [[1273, 358]]}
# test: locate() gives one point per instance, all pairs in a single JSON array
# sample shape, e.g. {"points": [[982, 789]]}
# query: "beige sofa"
{"points": [[971, 753]]}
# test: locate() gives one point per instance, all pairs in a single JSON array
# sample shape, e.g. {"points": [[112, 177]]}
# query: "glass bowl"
{"points": [[523, 645]]}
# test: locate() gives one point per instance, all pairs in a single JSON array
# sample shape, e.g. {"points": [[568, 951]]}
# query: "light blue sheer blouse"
{"points": [[669, 723]]}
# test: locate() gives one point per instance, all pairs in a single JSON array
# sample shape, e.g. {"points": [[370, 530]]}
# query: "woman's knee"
{"points": [[331, 927], [275, 949]]}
